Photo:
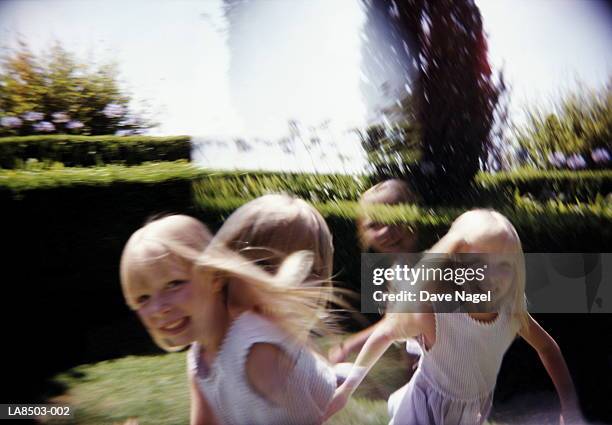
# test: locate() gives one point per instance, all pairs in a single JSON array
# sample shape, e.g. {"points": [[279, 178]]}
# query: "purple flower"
{"points": [[44, 127], [113, 110], [576, 161], [60, 117], [11, 122], [74, 125], [600, 155], [556, 159], [33, 116]]}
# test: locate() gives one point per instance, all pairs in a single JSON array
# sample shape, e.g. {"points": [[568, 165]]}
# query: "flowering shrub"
{"points": [[574, 135], [33, 116], [113, 110], [576, 162], [10, 122], [74, 125], [44, 127], [53, 93], [600, 155]]}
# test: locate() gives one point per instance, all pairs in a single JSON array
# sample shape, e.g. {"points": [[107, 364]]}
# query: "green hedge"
{"points": [[18, 181], [65, 231], [498, 189], [66, 228], [92, 150], [312, 187], [569, 186], [207, 192]]}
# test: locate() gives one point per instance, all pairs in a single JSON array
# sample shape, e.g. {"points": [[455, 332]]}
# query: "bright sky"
{"points": [[292, 59], [545, 46]]}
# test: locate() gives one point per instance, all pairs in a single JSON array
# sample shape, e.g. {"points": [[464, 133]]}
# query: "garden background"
{"points": [[79, 174]]}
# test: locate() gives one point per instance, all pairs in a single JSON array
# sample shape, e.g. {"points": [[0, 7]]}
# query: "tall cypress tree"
{"points": [[454, 99]]}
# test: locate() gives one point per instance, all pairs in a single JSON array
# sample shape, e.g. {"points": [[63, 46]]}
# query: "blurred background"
{"points": [[113, 111]]}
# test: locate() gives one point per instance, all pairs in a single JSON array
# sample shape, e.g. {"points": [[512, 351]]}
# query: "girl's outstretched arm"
{"points": [[339, 352], [553, 361], [392, 327]]}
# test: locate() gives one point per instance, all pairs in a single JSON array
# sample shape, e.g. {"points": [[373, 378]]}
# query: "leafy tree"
{"points": [[455, 98], [54, 93], [575, 133]]}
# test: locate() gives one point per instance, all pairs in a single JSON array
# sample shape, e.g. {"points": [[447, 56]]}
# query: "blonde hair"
{"points": [[295, 296], [486, 225], [388, 192], [272, 232], [267, 229], [154, 242]]}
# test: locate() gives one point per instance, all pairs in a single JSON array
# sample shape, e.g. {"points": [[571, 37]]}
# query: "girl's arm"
{"points": [[391, 328], [339, 352], [555, 365], [201, 413]]}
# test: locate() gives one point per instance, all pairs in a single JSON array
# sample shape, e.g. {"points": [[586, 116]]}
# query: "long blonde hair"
{"points": [[271, 227], [269, 237]]}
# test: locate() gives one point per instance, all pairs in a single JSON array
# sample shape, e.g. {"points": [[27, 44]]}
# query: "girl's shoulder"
{"points": [[268, 368], [406, 325], [251, 330], [254, 327]]}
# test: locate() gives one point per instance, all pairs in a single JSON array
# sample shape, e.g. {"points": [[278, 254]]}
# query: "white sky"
{"points": [[292, 59], [545, 46]]}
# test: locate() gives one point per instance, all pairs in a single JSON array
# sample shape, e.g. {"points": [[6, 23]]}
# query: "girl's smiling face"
{"points": [[166, 297], [500, 260], [387, 238]]}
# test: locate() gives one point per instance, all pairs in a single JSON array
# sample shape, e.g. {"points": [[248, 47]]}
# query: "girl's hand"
{"points": [[338, 401]]}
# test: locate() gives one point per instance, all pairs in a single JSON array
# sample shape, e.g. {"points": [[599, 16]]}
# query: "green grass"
{"points": [[153, 389], [150, 388]]}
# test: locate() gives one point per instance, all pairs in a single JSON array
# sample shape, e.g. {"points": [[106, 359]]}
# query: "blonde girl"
{"points": [[269, 228], [249, 361], [463, 352], [382, 238]]}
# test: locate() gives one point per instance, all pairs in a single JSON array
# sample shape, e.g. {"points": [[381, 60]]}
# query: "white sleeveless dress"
{"points": [[225, 386], [455, 380]]}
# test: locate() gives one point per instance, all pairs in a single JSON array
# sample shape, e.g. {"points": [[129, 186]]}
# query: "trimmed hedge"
{"points": [[18, 181], [207, 193], [66, 228], [75, 151], [312, 187], [568, 186], [65, 231], [499, 189], [552, 226]]}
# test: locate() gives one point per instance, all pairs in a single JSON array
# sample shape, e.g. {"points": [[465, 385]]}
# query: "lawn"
{"points": [[153, 389]]}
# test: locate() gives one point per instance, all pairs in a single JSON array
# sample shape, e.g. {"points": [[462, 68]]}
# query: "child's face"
{"points": [[501, 267], [168, 301], [387, 238]]}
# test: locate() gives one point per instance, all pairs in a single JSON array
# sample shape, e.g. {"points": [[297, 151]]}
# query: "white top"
{"points": [[467, 354], [455, 380], [225, 385]]}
